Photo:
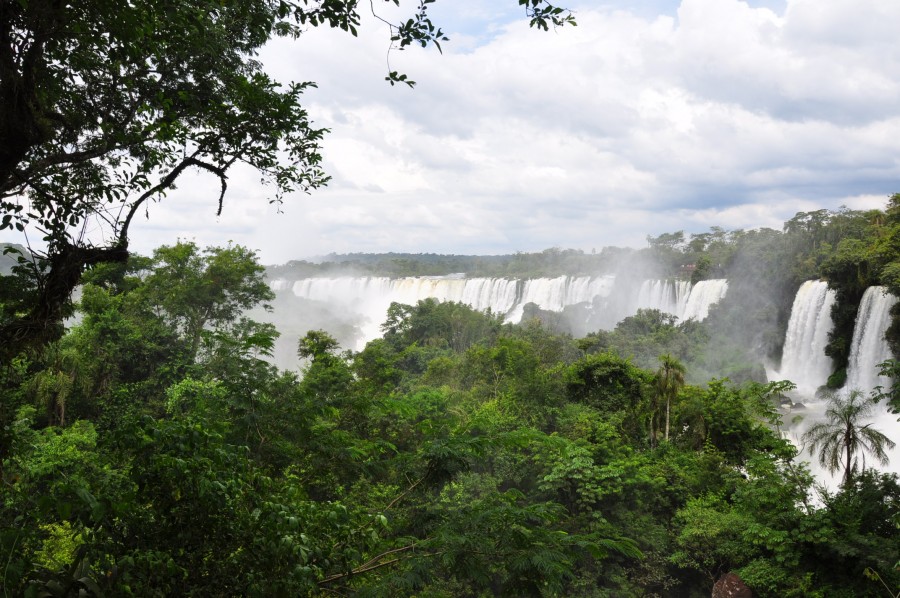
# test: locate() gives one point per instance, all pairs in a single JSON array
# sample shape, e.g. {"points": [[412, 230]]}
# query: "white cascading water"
{"points": [[669, 296], [370, 296], [803, 360], [704, 294], [554, 294], [869, 347], [280, 285]]}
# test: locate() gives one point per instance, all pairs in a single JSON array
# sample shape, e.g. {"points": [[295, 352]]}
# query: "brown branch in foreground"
{"points": [[404, 493], [42, 322], [167, 182], [371, 564]]}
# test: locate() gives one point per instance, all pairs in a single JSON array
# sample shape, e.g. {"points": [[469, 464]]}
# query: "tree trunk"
{"points": [[847, 470], [667, 419], [42, 324]]}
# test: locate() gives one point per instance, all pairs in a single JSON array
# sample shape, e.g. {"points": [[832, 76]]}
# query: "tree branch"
{"points": [[23, 176], [404, 493], [370, 565], [167, 182]]}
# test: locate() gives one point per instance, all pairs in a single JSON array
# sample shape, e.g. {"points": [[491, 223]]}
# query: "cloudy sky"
{"points": [[649, 116]]}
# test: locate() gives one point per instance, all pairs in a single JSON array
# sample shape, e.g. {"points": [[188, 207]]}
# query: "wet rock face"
{"points": [[731, 586]]}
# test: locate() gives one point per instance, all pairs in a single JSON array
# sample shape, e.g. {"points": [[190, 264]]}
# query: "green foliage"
{"points": [[550, 262], [202, 292], [701, 269], [856, 519], [456, 456], [153, 450], [606, 381], [890, 369], [436, 324], [669, 381], [710, 540]]}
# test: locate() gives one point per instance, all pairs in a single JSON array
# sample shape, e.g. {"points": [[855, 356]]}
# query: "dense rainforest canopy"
{"points": [[154, 450]]}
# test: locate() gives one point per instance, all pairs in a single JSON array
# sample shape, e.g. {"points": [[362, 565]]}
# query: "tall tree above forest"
{"points": [[204, 290], [105, 105], [669, 380]]}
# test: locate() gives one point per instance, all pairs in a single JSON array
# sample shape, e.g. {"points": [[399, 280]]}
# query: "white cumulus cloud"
{"points": [[647, 117]]}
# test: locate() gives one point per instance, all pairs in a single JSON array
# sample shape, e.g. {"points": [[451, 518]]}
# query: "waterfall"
{"points": [[805, 364], [665, 295], [704, 295], [280, 284], [803, 359], [869, 348], [367, 298], [555, 294], [370, 296], [676, 297]]}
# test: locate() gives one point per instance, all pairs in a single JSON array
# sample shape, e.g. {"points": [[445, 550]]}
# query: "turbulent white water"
{"points": [[679, 298], [498, 294], [554, 294], [804, 361], [869, 347]]}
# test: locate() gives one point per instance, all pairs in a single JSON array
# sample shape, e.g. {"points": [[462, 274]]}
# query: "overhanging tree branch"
{"points": [[166, 183], [93, 107], [372, 564]]}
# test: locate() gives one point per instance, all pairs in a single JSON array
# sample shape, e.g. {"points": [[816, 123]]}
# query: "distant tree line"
{"points": [[547, 263]]}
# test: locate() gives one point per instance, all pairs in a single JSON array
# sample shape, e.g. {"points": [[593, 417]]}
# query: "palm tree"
{"points": [[669, 380], [842, 437]]}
